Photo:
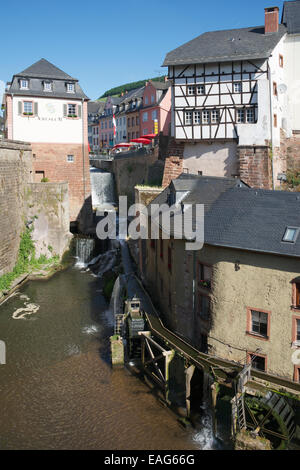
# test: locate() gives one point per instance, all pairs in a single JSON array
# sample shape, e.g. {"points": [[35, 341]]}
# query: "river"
{"points": [[57, 389]]}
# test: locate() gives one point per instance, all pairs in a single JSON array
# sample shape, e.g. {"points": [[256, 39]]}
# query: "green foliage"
{"points": [[293, 178], [26, 260], [45, 180], [117, 91]]}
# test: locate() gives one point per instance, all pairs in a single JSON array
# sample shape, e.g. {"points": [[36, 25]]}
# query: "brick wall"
{"points": [[52, 160], [15, 173], [173, 162], [290, 151], [255, 166]]}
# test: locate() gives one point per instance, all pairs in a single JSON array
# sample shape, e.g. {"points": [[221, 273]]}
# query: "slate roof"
{"points": [[43, 70], [291, 16], [96, 107], [228, 45], [240, 217]]}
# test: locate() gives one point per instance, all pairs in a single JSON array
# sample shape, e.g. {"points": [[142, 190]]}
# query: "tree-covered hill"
{"points": [[117, 91]]}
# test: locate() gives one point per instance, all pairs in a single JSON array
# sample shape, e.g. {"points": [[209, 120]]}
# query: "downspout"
{"points": [[194, 292], [271, 124], [83, 152]]}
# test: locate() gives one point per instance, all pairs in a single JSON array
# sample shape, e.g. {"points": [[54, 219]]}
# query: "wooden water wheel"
{"points": [[270, 417]]}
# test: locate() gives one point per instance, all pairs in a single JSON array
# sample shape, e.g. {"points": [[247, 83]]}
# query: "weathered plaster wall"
{"points": [[214, 159], [15, 173], [47, 205]]}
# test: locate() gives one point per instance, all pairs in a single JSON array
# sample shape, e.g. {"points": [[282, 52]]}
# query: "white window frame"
{"points": [[22, 86], [215, 116], [154, 114], [200, 90], [188, 118], [240, 120], [197, 117], [252, 120], [237, 87], [49, 89], [145, 117], [70, 87], [25, 103], [191, 89], [206, 117]]}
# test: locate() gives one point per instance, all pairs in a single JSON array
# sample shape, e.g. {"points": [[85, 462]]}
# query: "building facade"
{"points": [[238, 298], [234, 104], [156, 110], [46, 107]]}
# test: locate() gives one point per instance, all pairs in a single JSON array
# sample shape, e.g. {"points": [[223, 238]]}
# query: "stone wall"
{"points": [[15, 173], [47, 206], [290, 151], [255, 167], [43, 205]]}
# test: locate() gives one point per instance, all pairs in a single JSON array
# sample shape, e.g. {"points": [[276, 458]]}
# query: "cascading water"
{"points": [[84, 251], [103, 189]]}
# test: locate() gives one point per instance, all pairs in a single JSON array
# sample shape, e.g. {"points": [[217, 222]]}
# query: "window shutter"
{"points": [[79, 110], [36, 109], [20, 106], [65, 110]]}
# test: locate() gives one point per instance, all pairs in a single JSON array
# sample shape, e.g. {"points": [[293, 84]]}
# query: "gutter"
{"points": [[271, 124]]}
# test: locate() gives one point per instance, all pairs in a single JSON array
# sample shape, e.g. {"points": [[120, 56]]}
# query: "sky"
{"points": [[106, 44]]}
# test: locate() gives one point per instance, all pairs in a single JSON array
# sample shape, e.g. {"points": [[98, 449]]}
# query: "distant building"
{"points": [[132, 103], [156, 108], [106, 127], [235, 100], [47, 107], [95, 109]]}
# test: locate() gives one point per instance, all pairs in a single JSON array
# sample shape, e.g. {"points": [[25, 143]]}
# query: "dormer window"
{"points": [[70, 87], [47, 86], [291, 234], [24, 84]]}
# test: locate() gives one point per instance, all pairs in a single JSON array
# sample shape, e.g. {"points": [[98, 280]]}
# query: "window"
{"points": [[204, 276], [296, 294], [188, 117], [24, 84], [275, 93], [215, 116], [205, 117], [72, 110], [28, 108], [154, 114], [296, 331], [203, 306], [145, 117], [137, 121], [200, 89], [70, 88], [258, 362], [291, 234], [70, 158], [240, 115], [152, 98], [258, 323], [250, 116], [297, 374], [128, 122], [280, 60], [197, 117], [190, 90], [146, 99], [47, 86], [237, 87]]}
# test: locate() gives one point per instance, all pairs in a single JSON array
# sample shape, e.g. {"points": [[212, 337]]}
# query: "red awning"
{"points": [[150, 136], [124, 144], [141, 140]]}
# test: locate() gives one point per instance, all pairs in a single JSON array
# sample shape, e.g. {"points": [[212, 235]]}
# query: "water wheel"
{"points": [[270, 417]]}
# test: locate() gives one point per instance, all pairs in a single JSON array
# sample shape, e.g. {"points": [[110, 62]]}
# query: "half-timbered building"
{"points": [[232, 98]]}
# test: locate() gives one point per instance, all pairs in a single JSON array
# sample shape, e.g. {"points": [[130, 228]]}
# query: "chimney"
{"points": [[271, 20]]}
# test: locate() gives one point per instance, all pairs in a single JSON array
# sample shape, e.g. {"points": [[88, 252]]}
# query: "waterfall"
{"points": [[205, 436], [103, 191], [84, 250]]}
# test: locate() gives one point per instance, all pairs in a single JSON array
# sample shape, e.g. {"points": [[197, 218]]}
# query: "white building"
{"points": [[236, 96], [47, 107]]}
